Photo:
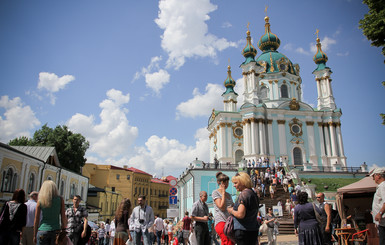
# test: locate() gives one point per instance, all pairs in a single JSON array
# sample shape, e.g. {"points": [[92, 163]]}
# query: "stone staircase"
{"points": [[286, 223]]}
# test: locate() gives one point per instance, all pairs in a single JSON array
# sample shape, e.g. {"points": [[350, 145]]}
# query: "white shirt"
{"points": [[158, 224], [112, 229], [378, 202], [145, 214], [31, 208]]}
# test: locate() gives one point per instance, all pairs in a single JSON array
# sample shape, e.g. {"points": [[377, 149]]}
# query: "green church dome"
{"points": [[249, 52], [320, 58], [229, 82], [268, 41], [274, 61]]}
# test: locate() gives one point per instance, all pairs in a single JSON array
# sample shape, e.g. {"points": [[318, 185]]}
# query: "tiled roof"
{"points": [[159, 181], [135, 170], [119, 168], [40, 152]]}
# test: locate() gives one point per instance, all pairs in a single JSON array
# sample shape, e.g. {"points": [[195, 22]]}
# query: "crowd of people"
{"points": [[43, 219]]}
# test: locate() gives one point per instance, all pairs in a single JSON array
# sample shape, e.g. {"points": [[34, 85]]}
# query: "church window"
{"points": [[264, 92], [31, 183], [284, 92], [297, 153], [72, 191]]}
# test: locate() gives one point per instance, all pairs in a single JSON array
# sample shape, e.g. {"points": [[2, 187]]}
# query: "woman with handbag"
{"points": [[305, 222], [270, 221], [51, 206], [222, 200], [14, 218], [245, 211]]}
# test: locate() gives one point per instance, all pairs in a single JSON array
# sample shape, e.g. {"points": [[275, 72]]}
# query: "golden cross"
{"points": [[316, 32], [248, 23], [266, 9]]}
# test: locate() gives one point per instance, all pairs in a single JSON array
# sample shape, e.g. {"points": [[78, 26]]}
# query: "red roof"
{"points": [[170, 178], [159, 181], [135, 170]]}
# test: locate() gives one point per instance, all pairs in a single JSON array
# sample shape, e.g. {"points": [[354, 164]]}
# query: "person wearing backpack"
{"points": [[245, 211]]}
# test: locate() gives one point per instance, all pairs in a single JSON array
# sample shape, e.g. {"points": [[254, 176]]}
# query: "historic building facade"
{"points": [[27, 167], [274, 122]]}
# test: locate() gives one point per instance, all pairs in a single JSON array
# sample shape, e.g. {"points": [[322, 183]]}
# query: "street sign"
{"points": [[173, 191], [172, 213], [173, 183], [173, 200]]}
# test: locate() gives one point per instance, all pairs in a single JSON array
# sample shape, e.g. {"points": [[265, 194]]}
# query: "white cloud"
{"points": [[154, 80], [226, 24], [302, 51], [157, 80], [52, 83], [17, 120], [288, 47], [343, 54], [113, 136], [186, 32], [326, 43], [201, 104]]}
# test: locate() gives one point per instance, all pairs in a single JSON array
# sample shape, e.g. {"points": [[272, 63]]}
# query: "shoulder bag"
{"points": [[228, 230]]}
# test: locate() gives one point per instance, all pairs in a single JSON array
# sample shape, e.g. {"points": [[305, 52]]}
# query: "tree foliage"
{"points": [[373, 23], [69, 146]]}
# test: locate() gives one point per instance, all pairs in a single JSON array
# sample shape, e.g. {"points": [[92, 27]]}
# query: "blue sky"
{"points": [[139, 78]]}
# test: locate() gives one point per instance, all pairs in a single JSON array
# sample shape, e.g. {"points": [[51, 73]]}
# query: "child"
{"points": [[62, 238]]}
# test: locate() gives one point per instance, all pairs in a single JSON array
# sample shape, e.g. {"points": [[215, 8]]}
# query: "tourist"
{"points": [[112, 233], [200, 214], [158, 228], [122, 215], [288, 207], [108, 228], [305, 222], [222, 200], [141, 219], [77, 220], [378, 204], [326, 216], [187, 227], [169, 232], [27, 236], [14, 218], [101, 234], [270, 220], [245, 211], [51, 206]]}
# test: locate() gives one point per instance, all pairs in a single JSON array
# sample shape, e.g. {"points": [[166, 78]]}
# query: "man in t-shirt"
{"points": [[200, 214], [186, 227], [158, 225]]}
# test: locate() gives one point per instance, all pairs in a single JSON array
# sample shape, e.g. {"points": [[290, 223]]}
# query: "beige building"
{"points": [[27, 167], [129, 183]]}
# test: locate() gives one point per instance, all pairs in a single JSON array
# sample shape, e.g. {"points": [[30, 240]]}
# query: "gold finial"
{"points": [[266, 10], [229, 67], [248, 23], [316, 32]]}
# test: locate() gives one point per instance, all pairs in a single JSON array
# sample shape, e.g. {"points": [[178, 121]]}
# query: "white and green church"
{"points": [[273, 121]]}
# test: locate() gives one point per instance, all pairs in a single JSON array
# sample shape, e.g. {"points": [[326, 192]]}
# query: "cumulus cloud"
{"points": [[201, 104], [226, 24], [302, 51], [186, 32], [52, 83], [326, 43], [113, 135], [17, 120], [154, 80]]}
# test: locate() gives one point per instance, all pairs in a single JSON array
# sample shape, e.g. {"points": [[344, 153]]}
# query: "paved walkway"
{"points": [[281, 240]]}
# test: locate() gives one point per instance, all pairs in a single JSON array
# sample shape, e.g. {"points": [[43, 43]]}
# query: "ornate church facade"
{"points": [[274, 122]]}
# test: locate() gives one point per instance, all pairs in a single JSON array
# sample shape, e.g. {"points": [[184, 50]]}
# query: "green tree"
{"points": [[69, 146], [373, 23]]}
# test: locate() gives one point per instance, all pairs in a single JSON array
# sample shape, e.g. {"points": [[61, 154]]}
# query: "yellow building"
{"points": [[103, 203], [130, 183], [27, 167]]}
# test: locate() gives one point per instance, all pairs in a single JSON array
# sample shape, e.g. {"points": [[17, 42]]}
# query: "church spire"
{"points": [[320, 58], [229, 96], [249, 52]]}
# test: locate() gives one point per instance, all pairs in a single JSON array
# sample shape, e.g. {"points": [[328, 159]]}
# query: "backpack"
{"points": [[228, 230]]}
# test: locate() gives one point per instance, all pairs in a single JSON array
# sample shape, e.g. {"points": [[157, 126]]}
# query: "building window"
{"points": [[118, 176], [264, 92], [62, 188], [31, 183], [128, 177], [7, 180], [297, 152], [72, 191], [113, 188], [284, 92]]}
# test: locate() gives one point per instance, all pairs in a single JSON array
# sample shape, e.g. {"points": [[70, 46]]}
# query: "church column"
{"points": [[321, 135], [261, 136], [282, 137], [327, 139], [270, 136], [333, 139], [223, 138], [253, 139], [257, 136], [339, 137], [246, 137], [318, 90], [271, 90], [310, 132]]}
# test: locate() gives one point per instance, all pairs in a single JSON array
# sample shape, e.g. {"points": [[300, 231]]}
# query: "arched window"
{"points": [[284, 92], [72, 191], [238, 156], [297, 153], [7, 180], [31, 183], [62, 188], [264, 92]]}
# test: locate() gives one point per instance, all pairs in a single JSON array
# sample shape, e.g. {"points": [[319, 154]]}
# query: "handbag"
{"points": [[263, 228], [3, 216], [228, 230], [318, 216]]}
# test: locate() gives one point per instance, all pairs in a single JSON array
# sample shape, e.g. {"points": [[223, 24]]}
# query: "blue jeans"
{"points": [[138, 238], [159, 237], [45, 237]]}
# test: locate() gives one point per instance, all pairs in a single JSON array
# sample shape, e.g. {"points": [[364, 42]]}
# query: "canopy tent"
{"points": [[358, 197]]}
